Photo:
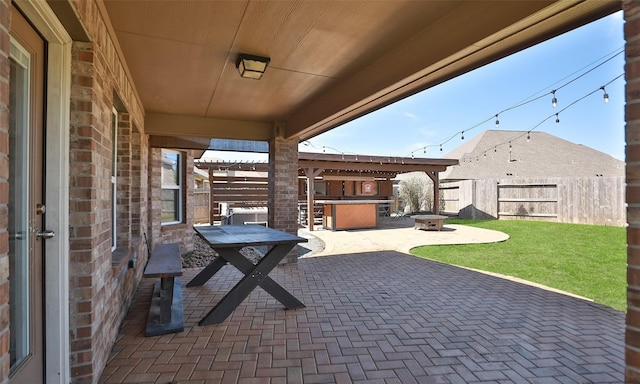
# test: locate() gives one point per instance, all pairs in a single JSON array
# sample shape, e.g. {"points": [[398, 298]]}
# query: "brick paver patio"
{"points": [[379, 317]]}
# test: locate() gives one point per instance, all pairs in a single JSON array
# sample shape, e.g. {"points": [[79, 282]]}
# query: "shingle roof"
{"points": [[489, 156]]}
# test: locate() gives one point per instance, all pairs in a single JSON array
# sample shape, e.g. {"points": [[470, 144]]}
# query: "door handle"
{"points": [[40, 234]]}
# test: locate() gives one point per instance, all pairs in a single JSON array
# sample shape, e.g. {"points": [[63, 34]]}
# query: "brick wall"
{"points": [[632, 112], [86, 246], [100, 291], [124, 185], [283, 189], [139, 192], [182, 233], [4, 190]]}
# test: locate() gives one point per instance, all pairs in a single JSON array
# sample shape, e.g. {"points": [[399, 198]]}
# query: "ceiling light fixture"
{"points": [[252, 67]]}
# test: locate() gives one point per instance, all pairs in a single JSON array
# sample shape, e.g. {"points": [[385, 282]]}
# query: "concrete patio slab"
{"points": [[401, 238]]}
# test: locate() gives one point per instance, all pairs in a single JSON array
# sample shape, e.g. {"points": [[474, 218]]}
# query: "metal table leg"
{"points": [[254, 275]]}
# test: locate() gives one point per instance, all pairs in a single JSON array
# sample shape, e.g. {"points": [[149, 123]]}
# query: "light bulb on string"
{"points": [[462, 135], [557, 119], [554, 101], [528, 136], [606, 95], [324, 149], [440, 147], [425, 150], [412, 155], [497, 122]]}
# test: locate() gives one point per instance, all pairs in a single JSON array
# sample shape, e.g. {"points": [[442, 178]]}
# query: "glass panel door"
{"points": [[19, 238]]}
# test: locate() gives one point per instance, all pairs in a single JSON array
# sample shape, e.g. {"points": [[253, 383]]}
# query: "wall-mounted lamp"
{"points": [[252, 67]]}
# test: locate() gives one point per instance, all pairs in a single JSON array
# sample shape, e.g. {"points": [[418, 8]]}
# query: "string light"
{"points": [[594, 65], [606, 95], [496, 116]]}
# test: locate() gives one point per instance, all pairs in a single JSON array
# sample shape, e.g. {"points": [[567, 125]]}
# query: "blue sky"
{"points": [[433, 116]]}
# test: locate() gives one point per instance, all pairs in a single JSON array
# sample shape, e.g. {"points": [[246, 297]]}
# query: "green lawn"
{"points": [[586, 260]]}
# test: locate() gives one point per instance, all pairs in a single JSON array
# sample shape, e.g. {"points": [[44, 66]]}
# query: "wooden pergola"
{"points": [[314, 165], [341, 166]]}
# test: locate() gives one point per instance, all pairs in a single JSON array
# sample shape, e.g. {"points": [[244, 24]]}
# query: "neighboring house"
{"points": [[497, 154], [201, 178], [534, 175]]}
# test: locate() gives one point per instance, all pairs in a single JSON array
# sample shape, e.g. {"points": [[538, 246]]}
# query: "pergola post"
{"points": [[211, 198], [435, 177], [311, 174]]}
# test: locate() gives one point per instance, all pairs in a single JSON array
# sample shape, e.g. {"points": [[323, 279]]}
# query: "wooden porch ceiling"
{"points": [[331, 61]]}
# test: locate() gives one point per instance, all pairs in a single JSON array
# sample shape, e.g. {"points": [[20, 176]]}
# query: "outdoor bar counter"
{"points": [[350, 214]]}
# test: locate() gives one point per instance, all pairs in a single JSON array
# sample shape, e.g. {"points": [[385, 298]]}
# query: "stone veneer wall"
{"points": [[282, 200], [4, 190]]}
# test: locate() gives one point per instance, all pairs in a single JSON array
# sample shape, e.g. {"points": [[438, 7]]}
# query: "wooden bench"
{"points": [[429, 222], [165, 311]]}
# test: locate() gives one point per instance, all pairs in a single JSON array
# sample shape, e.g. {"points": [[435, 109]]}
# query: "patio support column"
{"points": [[212, 199], [435, 177], [282, 199], [311, 191], [632, 132]]}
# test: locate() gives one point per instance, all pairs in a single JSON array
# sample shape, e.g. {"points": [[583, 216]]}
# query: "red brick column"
{"points": [[4, 189], [89, 226], [632, 112], [283, 188]]}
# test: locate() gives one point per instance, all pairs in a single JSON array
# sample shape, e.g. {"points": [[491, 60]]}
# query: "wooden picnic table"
{"points": [[227, 241]]}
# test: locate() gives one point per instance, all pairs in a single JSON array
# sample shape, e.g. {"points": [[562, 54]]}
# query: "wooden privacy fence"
{"points": [[201, 206], [232, 190], [588, 200]]}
